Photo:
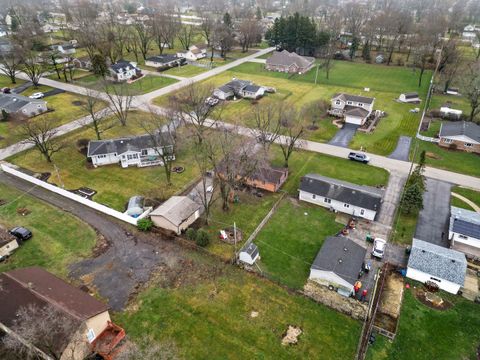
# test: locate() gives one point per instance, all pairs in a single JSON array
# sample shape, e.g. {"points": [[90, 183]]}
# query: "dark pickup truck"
{"points": [[359, 157]]}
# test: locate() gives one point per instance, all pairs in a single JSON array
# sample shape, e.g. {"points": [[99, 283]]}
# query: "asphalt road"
{"points": [[402, 150], [433, 219], [344, 135]]}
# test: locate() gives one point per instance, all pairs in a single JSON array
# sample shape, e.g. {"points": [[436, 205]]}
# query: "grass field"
{"points": [[472, 195], [209, 317], [292, 238], [185, 71], [114, 184], [455, 102], [426, 334], [405, 228], [58, 239], [5, 82]]}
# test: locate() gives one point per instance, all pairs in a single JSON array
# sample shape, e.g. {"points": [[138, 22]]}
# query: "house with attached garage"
{"points": [[137, 151], [336, 195], [461, 135], [464, 231], [444, 267], [239, 89], [411, 97], [289, 62], [194, 52], [338, 264], [354, 109], [176, 214], [164, 62], [20, 105], [123, 71]]}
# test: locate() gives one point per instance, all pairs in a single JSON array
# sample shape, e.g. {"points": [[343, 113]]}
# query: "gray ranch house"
{"points": [[289, 62], [163, 62], [240, 89], [21, 105], [137, 151], [354, 109], [341, 196]]}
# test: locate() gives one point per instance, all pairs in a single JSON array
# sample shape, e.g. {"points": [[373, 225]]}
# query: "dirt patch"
{"points": [[312, 127], [101, 246], [294, 201], [433, 301], [432, 155], [254, 314], [23, 211], [78, 103], [391, 301], [291, 335], [3, 202]]}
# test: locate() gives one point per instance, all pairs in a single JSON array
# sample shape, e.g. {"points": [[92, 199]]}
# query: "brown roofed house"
{"points": [[289, 62]]}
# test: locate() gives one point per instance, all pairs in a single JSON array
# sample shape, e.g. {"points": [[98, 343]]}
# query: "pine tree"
{"points": [[259, 13], [413, 198], [227, 20]]}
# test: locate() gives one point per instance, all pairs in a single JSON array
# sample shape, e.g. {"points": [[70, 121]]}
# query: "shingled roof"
{"points": [[437, 261], [355, 98], [285, 58], [176, 209], [165, 59], [15, 102], [465, 222], [458, 128], [363, 196], [122, 145]]}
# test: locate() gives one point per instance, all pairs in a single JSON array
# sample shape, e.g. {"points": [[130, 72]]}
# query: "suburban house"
{"points": [[464, 231], [354, 109], [8, 243], [82, 63], [289, 62], [123, 71], [411, 97], [462, 135], [21, 105], [442, 266], [65, 49], [5, 46], [136, 150], [338, 264], [194, 52], [249, 254], [450, 114], [337, 195], [164, 62], [239, 89], [176, 214], [34, 286]]}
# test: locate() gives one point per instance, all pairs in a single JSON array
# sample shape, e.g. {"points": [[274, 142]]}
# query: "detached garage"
{"points": [[442, 266], [176, 214]]}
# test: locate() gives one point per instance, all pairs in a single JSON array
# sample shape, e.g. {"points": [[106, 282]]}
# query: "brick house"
{"points": [[461, 135]]}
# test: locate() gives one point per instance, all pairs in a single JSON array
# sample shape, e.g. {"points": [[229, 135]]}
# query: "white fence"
{"points": [[427, 138], [92, 204]]}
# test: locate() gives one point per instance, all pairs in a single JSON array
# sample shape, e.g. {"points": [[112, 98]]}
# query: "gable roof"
{"points": [[355, 111], [234, 86], [456, 128], [122, 66], [164, 59], [14, 102], [50, 289], [437, 261], [341, 256], [122, 145], [356, 98], [411, 95], [176, 209], [285, 58], [251, 249], [465, 222], [366, 197]]}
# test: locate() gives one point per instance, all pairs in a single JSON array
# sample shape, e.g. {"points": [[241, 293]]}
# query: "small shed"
{"points": [[379, 59], [452, 91], [411, 97], [176, 214], [8, 243], [249, 254], [449, 113], [135, 206]]}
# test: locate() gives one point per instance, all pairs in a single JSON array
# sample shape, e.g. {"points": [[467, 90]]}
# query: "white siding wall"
{"points": [[7, 249], [329, 278], [337, 205], [471, 241], [354, 120], [423, 277], [98, 160]]}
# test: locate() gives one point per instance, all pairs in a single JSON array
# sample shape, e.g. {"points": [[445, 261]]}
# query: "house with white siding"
{"points": [[176, 214], [123, 71], [464, 230], [356, 200], [433, 263], [354, 109], [21, 105]]}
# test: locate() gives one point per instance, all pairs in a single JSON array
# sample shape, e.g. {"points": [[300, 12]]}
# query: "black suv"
{"points": [[21, 233]]}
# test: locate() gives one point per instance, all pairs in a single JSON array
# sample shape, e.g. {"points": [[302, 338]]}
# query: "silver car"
{"points": [[379, 248]]}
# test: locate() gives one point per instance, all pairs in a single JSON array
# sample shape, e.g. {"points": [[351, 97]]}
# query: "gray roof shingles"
{"points": [[356, 98], [465, 222], [122, 145], [457, 128], [285, 58], [15, 102]]}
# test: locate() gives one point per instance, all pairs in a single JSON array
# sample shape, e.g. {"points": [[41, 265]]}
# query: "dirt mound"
{"points": [[431, 300], [291, 335]]}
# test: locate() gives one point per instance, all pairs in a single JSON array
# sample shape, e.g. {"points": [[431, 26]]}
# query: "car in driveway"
{"points": [[37, 95], [379, 248], [359, 157], [21, 233]]}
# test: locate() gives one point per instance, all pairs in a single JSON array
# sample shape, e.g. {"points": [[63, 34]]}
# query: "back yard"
{"points": [[231, 314]]}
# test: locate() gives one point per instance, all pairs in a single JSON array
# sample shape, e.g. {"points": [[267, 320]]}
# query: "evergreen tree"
{"points": [[413, 198], [227, 20], [366, 51], [353, 47], [259, 13], [99, 66]]}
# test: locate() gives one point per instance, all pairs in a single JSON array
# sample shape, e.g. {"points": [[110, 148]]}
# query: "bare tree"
{"points": [[471, 88], [186, 35], [42, 135], [34, 68], [120, 100], [250, 31], [41, 331], [98, 121], [314, 111], [148, 349], [333, 27], [207, 27], [451, 63], [145, 38], [205, 157], [10, 64], [291, 133], [268, 122]]}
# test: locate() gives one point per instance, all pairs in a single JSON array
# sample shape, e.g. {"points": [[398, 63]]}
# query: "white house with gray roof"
{"points": [[240, 89], [137, 151], [442, 266], [354, 109], [123, 71], [176, 214], [22, 105], [342, 196], [464, 229]]}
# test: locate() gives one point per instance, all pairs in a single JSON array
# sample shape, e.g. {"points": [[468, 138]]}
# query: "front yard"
{"points": [[59, 238], [471, 195], [235, 315], [185, 71]]}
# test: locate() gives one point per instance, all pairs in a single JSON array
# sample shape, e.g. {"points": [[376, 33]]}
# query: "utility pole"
{"points": [[316, 74], [235, 240]]}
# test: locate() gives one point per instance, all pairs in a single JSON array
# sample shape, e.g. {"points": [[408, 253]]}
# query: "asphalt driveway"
{"points": [[402, 150], [344, 135], [432, 225]]}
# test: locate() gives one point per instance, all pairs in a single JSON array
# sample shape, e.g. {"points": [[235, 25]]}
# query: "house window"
{"points": [[463, 237], [314, 196], [39, 106], [360, 104], [101, 156], [362, 212], [468, 145], [447, 141], [435, 279], [346, 205], [337, 102], [349, 103], [327, 200], [144, 152]]}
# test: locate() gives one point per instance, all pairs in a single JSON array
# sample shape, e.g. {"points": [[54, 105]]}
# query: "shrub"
{"points": [[4, 116], [191, 234], [203, 238], [144, 224]]}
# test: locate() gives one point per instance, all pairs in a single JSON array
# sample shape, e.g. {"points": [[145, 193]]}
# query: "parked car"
{"points": [[359, 157], [37, 95], [6, 90], [21, 233], [379, 248]]}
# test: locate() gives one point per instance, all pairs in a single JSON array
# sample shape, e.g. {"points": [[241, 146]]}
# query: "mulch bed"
{"points": [[421, 296], [23, 211], [78, 103]]}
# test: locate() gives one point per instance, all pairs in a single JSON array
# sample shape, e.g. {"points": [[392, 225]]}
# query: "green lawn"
{"points": [[5, 82], [456, 102], [472, 195], [209, 317], [292, 238], [405, 228], [58, 239], [185, 71], [114, 184], [433, 129], [426, 334]]}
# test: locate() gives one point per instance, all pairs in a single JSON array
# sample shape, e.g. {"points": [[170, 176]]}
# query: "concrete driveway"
{"points": [[53, 92], [344, 135], [402, 150], [432, 225]]}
